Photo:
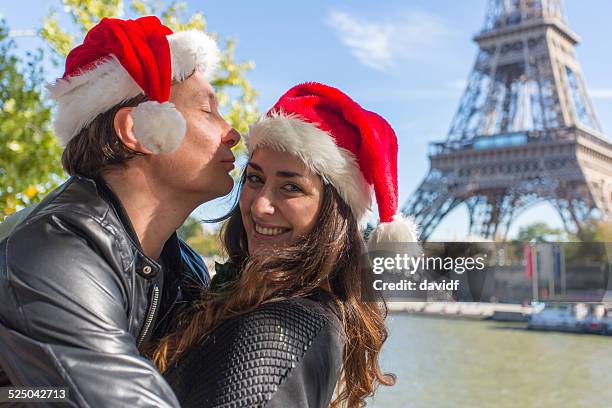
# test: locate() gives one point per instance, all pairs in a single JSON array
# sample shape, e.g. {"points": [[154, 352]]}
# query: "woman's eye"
{"points": [[292, 188], [252, 178]]}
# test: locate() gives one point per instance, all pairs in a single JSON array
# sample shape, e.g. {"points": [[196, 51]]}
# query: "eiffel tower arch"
{"points": [[525, 131]]}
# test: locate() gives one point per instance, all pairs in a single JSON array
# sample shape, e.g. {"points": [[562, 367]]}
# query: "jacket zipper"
{"points": [[150, 316], [176, 298]]}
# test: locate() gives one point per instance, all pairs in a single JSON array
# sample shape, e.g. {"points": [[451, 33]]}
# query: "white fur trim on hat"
{"points": [[318, 150], [158, 126], [81, 98], [193, 50], [401, 230]]}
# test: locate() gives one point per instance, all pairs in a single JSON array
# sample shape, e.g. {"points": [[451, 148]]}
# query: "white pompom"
{"points": [[400, 230], [160, 127]]}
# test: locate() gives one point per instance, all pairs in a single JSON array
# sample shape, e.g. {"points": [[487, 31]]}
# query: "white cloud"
{"points": [[601, 93], [382, 44]]}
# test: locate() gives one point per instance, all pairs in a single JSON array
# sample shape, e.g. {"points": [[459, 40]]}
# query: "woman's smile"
{"points": [[269, 231]]}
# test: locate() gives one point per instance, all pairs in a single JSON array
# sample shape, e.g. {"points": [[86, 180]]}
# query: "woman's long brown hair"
{"points": [[334, 253]]}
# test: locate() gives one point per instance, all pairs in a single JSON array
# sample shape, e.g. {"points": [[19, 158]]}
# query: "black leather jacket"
{"points": [[286, 354], [79, 299]]}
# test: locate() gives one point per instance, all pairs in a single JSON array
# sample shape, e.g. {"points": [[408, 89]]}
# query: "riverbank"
{"points": [[464, 310], [570, 317]]}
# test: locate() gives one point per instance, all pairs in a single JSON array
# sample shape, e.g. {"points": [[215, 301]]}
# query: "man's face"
{"points": [[201, 165]]}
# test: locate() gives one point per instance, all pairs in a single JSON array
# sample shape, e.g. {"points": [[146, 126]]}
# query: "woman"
{"points": [[284, 321]]}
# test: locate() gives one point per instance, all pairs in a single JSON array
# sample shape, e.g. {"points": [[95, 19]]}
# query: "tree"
{"points": [[206, 244], [29, 154], [595, 231], [540, 232], [239, 111]]}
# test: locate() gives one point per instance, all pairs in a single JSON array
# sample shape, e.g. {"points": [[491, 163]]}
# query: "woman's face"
{"points": [[280, 200]]}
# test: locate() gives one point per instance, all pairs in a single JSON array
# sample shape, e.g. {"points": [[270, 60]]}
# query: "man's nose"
{"points": [[231, 136]]}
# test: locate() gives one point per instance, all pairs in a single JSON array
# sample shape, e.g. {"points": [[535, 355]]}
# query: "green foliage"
{"points": [[206, 244], [29, 154], [540, 232], [582, 247], [240, 111], [190, 228], [84, 14], [595, 231]]}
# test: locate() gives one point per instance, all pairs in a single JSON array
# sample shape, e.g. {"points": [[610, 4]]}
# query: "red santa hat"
{"points": [[353, 149], [120, 59]]}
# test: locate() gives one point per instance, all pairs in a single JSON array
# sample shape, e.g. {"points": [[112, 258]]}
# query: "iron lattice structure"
{"points": [[525, 130]]}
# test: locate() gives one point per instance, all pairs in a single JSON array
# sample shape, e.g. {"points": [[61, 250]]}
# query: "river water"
{"points": [[443, 363]]}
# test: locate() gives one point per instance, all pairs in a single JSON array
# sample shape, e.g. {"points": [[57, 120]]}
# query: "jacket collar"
{"points": [[145, 266]]}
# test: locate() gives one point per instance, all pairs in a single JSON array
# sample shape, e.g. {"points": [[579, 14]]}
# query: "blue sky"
{"points": [[406, 60]]}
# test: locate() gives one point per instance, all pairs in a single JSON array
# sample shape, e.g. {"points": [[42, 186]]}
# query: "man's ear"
{"points": [[124, 128]]}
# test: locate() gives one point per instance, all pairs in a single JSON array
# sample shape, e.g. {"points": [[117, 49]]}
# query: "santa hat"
{"points": [[120, 59], [352, 149]]}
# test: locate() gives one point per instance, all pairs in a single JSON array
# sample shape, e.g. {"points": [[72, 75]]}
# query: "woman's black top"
{"points": [[283, 354]]}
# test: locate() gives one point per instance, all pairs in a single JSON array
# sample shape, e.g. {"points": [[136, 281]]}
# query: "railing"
{"points": [[515, 139]]}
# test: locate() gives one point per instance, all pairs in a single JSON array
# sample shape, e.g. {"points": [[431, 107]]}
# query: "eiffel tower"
{"points": [[525, 131]]}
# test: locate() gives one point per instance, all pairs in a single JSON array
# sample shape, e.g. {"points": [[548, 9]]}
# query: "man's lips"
{"points": [[229, 163]]}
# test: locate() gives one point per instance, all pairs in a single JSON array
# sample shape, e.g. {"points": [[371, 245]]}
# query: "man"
{"points": [[89, 277]]}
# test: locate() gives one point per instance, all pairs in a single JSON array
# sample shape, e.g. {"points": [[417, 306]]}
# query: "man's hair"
{"points": [[96, 148]]}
